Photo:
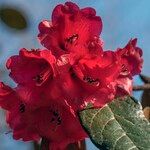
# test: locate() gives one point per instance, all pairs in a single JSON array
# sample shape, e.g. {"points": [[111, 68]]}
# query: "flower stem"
{"points": [[80, 145], [44, 144]]}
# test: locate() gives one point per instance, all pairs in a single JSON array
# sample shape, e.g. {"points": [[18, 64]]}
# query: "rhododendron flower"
{"points": [[96, 75], [130, 58], [54, 84], [31, 67], [130, 62], [70, 27], [57, 121]]}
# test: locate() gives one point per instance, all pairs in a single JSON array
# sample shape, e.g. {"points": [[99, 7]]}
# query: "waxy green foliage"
{"points": [[119, 125]]}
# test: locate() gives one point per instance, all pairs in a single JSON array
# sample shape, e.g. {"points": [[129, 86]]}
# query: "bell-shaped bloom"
{"points": [[130, 61], [130, 58], [90, 78], [10, 101], [70, 26], [31, 67], [99, 70], [56, 121]]}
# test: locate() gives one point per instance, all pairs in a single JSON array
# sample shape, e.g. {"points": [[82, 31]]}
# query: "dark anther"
{"points": [[22, 108], [59, 121], [53, 119], [55, 113], [72, 73], [90, 80], [72, 38], [38, 78], [62, 46], [124, 70]]}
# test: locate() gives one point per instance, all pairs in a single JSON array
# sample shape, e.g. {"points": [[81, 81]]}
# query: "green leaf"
{"points": [[13, 18], [119, 125]]}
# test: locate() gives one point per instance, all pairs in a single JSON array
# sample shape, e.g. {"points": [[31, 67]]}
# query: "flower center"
{"points": [[55, 117], [22, 108], [43, 76], [91, 81], [38, 78], [124, 70], [72, 38]]}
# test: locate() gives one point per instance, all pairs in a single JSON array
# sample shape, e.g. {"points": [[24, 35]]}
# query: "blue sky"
{"points": [[122, 20]]}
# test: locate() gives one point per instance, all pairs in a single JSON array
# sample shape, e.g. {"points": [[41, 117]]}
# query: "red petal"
{"points": [[124, 86], [8, 97]]}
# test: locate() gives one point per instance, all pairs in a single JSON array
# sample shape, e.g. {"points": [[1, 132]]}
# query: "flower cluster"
{"points": [[55, 83]]}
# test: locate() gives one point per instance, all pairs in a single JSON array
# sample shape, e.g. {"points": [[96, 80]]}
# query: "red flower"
{"points": [[90, 79], [59, 124], [31, 67], [57, 121], [102, 69], [70, 27], [10, 101], [130, 61]]}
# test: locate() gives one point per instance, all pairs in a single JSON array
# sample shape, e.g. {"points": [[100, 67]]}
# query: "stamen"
{"points": [[40, 78], [59, 121], [22, 108], [72, 73], [55, 113], [53, 119], [91, 81], [56, 119], [72, 38], [124, 70]]}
